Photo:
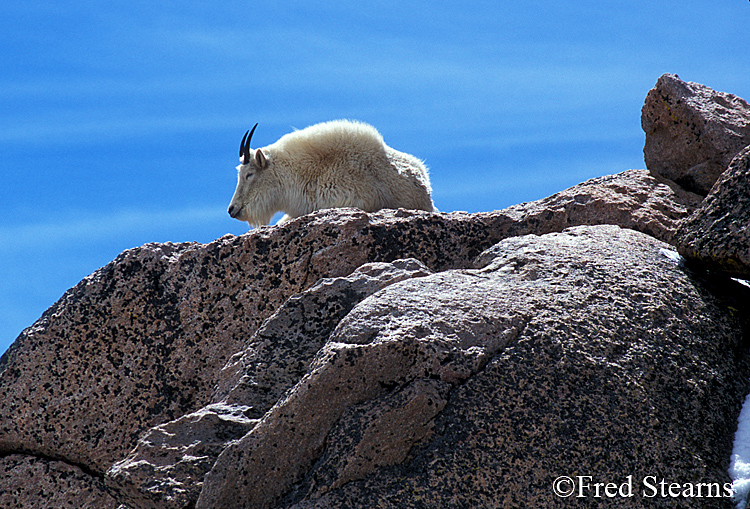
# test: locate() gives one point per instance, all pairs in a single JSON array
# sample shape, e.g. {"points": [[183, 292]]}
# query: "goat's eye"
{"points": [[249, 176]]}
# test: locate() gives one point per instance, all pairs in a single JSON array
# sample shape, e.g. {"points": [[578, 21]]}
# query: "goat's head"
{"points": [[249, 197]]}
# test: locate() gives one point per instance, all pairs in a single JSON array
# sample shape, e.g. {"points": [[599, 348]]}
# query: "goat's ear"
{"points": [[260, 159]]}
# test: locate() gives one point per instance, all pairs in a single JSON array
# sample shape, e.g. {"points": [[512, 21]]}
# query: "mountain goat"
{"points": [[340, 163]]}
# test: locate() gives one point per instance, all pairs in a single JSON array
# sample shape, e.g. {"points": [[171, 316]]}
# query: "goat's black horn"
{"points": [[251, 135], [245, 145], [242, 144]]}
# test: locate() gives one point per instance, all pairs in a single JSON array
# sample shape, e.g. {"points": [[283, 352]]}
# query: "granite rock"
{"points": [[632, 199], [46, 483], [167, 466], [717, 234], [692, 132], [558, 354]]}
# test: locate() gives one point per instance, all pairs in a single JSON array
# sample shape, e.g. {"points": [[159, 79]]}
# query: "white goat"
{"points": [[333, 164]]}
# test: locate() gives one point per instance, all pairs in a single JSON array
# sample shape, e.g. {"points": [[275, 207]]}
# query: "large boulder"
{"points": [[562, 354], [717, 234], [692, 132]]}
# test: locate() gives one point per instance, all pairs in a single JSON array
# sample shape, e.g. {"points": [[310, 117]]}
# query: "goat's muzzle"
{"points": [[234, 211]]}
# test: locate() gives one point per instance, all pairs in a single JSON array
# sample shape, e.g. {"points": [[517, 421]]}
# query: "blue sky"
{"points": [[122, 120]]}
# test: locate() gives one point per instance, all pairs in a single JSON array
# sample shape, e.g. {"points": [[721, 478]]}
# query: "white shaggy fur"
{"points": [[340, 163]]}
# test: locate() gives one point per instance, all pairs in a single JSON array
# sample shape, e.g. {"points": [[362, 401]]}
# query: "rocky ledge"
{"points": [[408, 359]]}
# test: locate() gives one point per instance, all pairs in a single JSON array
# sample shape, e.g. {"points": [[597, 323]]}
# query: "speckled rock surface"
{"points": [[717, 235], [692, 131], [142, 342], [571, 358], [415, 337], [280, 352], [167, 466], [45, 483], [632, 199]]}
